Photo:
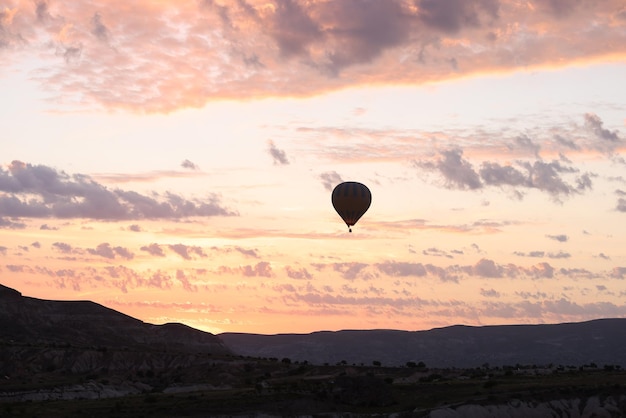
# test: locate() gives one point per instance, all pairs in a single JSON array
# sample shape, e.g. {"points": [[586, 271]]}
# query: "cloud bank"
{"points": [[38, 191], [168, 55]]}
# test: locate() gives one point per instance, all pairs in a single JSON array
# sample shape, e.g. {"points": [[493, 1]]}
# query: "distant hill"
{"points": [[88, 324], [68, 352], [31, 321], [599, 341]]}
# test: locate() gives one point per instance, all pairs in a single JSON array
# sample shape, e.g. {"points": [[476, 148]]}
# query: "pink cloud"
{"points": [[184, 280], [105, 250], [260, 269], [186, 251], [153, 249], [299, 274], [162, 56]]}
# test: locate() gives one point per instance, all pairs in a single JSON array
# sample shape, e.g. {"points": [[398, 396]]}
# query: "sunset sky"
{"points": [[174, 160]]}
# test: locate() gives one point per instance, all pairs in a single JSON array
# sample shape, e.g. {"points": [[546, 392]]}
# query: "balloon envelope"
{"points": [[351, 200]]}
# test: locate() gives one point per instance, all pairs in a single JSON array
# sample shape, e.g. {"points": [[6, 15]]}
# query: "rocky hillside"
{"points": [[88, 324], [82, 359], [594, 406]]}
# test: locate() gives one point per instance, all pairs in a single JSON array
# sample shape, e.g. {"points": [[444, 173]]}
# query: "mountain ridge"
{"points": [[88, 324], [597, 341], [70, 351]]}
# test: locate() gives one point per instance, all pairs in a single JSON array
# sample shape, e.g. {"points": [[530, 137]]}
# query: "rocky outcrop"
{"points": [[576, 408]]}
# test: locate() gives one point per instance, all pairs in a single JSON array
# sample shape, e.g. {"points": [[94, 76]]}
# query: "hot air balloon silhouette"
{"points": [[351, 200]]}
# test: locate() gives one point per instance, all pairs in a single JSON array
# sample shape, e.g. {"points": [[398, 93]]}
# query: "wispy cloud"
{"points": [[330, 179], [559, 237], [541, 254], [189, 165], [260, 269], [621, 201], [153, 249], [608, 138], [191, 171], [105, 250], [298, 273], [186, 251], [63, 247], [278, 156]]}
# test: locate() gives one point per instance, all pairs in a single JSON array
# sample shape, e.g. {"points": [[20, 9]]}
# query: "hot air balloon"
{"points": [[351, 200]]}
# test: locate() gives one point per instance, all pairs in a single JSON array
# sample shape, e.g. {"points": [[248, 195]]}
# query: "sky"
{"points": [[174, 160]]}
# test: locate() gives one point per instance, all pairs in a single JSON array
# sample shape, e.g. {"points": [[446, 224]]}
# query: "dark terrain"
{"points": [[62, 359], [600, 341]]}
